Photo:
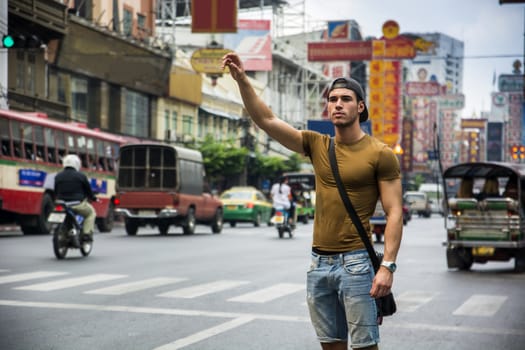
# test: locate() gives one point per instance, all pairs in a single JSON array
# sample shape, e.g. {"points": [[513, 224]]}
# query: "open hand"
{"points": [[233, 62]]}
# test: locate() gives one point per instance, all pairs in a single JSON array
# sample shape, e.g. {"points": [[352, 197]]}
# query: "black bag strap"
{"points": [[350, 208]]}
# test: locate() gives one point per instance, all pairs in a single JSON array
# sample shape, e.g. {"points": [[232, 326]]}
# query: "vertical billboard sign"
{"points": [[407, 145], [494, 141], [253, 43], [473, 146]]}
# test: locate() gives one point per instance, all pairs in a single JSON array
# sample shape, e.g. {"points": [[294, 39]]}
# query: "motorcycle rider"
{"points": [[281, 194], [72, 185]]}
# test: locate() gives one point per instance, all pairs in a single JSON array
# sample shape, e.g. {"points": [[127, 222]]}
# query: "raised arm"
{"points": [[260, 113]]}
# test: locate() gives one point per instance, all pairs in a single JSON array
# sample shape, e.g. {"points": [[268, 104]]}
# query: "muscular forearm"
{"points": [[392, 239], [259, 112]]}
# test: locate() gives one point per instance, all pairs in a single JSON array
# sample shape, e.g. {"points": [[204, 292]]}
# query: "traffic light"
{"points": [[20, 41], [8, 41]]}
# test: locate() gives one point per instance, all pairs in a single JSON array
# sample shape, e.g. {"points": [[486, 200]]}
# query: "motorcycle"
{"points": [[282, 222], [66, 227]]}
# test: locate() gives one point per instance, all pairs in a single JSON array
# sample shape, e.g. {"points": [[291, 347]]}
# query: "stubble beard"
{"points": [[347, 124]]}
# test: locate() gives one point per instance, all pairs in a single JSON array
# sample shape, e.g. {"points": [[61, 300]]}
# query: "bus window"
{"points": [[28, 141], [82, 154], [71, 147], [4, 138], [60, 138], [17, 139], [91, 156], [49, 137], [112, 150], [101, 160], [39, 143]]}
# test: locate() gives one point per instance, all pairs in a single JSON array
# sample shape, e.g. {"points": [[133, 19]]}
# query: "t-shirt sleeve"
{"points": [[309, 138], [388, 165]]}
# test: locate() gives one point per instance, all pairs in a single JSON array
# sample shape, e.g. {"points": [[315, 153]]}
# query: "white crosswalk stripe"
{"points": [[477, 305], [481, 305], [70, 282], [19, 277], [202, 289], [130, 287], [410, 301], [270, 293]]}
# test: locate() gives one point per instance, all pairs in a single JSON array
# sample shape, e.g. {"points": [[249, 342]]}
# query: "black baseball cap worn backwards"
{"points": [[351, 84]]}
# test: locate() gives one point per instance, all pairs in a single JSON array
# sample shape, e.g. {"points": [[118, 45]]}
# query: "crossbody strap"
{"points": [[349, 207]]}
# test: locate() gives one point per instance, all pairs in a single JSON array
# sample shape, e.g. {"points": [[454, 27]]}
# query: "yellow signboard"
{"points": [[208, 60]]}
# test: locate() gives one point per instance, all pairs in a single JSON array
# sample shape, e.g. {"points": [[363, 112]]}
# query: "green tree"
{"points": [[222, 159], [225, 163], [271, 167]]}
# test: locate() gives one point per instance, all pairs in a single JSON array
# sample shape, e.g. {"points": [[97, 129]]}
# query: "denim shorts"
{"points": [[339, 301]]}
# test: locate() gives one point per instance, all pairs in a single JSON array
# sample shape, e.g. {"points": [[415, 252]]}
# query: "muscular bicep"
{"points": [[285, 134], [390, 194]]}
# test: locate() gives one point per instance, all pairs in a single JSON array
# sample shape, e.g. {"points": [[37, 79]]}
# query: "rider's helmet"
{"points": [[71, 161]]}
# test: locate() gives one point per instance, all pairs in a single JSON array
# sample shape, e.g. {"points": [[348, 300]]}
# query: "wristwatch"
{"points": [[390, 265]]}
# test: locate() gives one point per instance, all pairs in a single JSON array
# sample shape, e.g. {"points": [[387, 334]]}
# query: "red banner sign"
{"points": [[340, 51], [208, 17]]}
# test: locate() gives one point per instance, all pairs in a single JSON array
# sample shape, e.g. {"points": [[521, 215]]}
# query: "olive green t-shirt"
{"points": [[361, 165]]}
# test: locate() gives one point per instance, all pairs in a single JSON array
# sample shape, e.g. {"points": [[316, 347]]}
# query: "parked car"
{"points": [[419, 203], [245, 204]]}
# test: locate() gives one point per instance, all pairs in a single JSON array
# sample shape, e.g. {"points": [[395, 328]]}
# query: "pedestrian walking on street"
{"points": [[341, 283]]}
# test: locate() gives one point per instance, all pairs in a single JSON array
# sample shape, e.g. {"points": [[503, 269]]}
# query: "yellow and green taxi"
{"points": [[245, 204]]}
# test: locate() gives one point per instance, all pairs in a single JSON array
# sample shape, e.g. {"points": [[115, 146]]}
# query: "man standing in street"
{"points": [[341, 284]]}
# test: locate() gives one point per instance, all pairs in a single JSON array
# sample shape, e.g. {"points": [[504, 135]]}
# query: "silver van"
{"points": [[418, 203]]}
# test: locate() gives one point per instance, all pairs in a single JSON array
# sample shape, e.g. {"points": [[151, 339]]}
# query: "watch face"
{"points": [[393, 267]]}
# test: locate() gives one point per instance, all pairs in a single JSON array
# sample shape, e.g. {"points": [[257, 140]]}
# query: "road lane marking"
{"points": [[19, 277], [270, 293], [266, 317], [410, 301], [207, 333], [71, 282], [151, 310], [203, 289], [481, 305], [123, 288]]}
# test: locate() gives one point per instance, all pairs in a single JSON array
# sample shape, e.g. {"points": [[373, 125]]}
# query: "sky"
{"points": [[486, 28]]}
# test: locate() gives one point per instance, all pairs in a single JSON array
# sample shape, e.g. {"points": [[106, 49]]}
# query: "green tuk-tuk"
{"points": [[483, 226]]}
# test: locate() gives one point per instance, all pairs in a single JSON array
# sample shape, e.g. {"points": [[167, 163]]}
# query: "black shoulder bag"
{"points": [[386, 305]]}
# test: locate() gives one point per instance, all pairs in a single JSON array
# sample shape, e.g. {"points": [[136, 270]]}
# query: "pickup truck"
{"points": [[160, 185]]}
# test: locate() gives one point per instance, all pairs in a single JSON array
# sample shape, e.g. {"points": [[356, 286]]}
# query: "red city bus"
{"points": [[31, 149]]}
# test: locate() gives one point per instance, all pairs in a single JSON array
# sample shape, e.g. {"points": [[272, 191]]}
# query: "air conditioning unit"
{"points": [[171, 136]]}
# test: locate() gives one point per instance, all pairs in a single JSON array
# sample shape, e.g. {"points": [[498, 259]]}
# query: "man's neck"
{"points": [[348, 135]]}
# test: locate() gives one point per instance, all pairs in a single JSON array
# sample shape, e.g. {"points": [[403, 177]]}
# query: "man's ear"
{"points": [[360, 106]]}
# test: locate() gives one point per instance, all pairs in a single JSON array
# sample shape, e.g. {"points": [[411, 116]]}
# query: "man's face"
{"points": [[343, 107]]}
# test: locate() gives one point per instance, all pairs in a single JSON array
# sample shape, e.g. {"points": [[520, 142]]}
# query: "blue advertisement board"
{"points": [[324, 126]]}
